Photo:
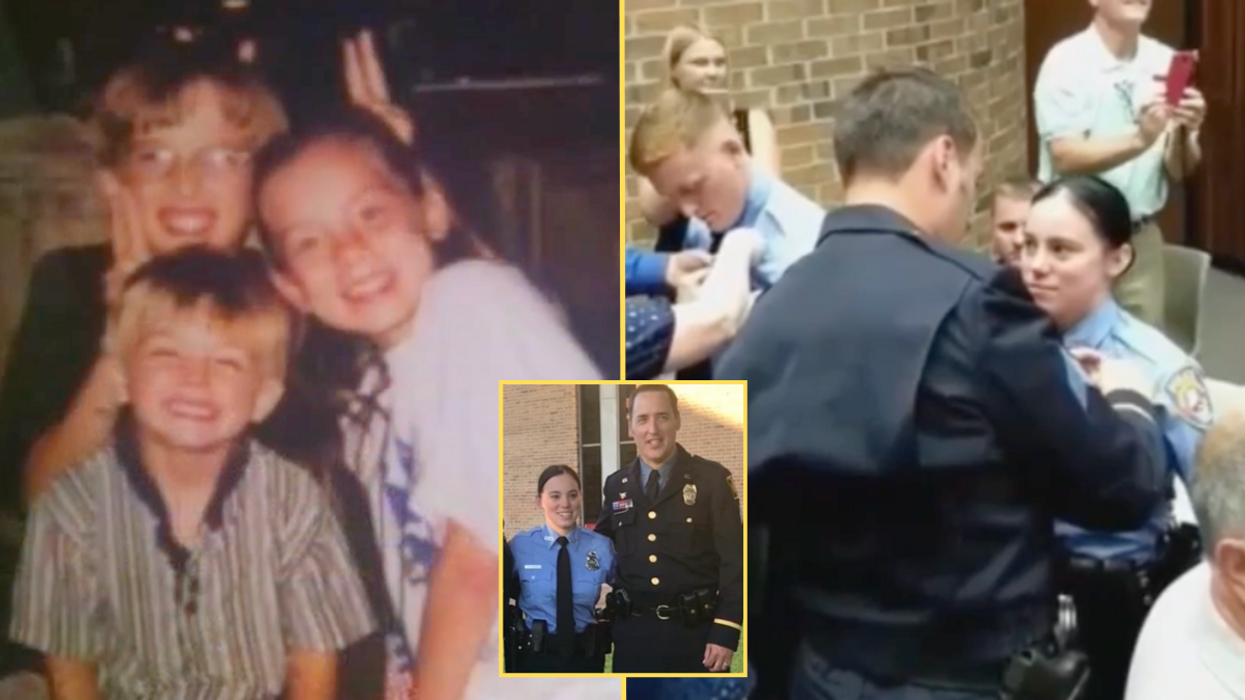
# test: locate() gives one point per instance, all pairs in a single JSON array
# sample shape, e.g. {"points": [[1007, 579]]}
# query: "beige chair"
{"points": [[1186, 270]]}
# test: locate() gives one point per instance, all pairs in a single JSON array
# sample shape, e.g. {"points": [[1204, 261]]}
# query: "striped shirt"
{"points": [[101, 579]]}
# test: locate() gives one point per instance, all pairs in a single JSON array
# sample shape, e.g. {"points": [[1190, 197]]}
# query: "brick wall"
{"points": [[798, 58], [540, 427]]}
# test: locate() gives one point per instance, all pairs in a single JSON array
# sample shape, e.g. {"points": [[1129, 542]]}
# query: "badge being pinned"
{"points": [[592, 562], [1189, 398], [689, 494]]}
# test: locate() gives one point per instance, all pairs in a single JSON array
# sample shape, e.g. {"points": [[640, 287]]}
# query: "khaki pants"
{"points": [[1141, 290]]}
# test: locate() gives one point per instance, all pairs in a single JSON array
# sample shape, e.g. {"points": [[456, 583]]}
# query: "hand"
{"points": [[365, 83], [1153, 120], [717, 658], [1191, 111], [746, 237], [129, 247], [1111, 374], [687, 268]]}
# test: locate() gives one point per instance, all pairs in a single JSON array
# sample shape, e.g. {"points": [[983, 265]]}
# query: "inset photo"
{"points": [[623, 524]]}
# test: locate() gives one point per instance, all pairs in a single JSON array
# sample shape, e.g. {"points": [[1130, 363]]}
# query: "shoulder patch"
{"points": [[1186, 391]]}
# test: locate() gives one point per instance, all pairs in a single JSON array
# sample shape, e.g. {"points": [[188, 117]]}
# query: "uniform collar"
{"points": [[665, 468], [1100, 57], [867, 218], [1092, 330], [551, 537], [760, 185]]}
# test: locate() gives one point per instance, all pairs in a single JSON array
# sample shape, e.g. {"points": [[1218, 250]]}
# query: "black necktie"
{"points": [[566, 606], [653, 487]]}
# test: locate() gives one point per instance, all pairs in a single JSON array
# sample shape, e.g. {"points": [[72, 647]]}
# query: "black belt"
{"points": [[1090, 565]]}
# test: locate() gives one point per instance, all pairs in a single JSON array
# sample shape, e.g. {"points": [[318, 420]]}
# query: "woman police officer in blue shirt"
{"points": [[561, 567], [1076, 244]]}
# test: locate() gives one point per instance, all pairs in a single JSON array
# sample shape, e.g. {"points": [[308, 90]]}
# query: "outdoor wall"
{"points": [[541, 427], [798, 58]]}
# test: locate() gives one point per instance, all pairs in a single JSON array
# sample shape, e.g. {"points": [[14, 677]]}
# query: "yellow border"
{"points": [[743, 496], [622, 195]]}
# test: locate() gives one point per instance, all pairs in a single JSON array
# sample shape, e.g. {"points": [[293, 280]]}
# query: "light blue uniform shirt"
{"points": [[1184, 415], [788, 222], [536, 562]]}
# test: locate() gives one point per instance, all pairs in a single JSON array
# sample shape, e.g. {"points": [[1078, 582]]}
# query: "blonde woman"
{"points": [[697, 60]]}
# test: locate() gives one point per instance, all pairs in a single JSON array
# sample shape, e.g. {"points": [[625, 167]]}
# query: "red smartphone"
{"points": [[1179, 75]]}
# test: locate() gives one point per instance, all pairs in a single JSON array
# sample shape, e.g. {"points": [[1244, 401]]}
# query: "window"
{"points": [[626, 446], [590, 450]]}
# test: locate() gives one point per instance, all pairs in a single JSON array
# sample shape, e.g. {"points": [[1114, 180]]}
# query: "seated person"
{"points": [[1008, 209], [184, 559], [664, 337], [687, 148], [1193, 642]]}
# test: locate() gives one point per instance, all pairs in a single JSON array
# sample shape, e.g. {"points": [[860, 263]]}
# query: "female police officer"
{"points": [[1076, 245], [562, 567]]}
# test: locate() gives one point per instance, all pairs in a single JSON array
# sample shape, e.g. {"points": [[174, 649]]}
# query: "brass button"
{"points": [[652, 558], [689, 520], [652, 538], [656, 580], [652, 515]]}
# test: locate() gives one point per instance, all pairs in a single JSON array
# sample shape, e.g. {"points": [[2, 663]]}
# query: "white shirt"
{"points": [[1186, 650], [1083, 90], [478, 323]]}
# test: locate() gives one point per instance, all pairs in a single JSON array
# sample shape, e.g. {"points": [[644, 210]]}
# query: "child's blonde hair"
{"points": [[230, 292]]}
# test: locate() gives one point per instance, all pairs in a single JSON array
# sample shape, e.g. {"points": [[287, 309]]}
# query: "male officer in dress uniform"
{"points": [[914, 426], [678, 541]]}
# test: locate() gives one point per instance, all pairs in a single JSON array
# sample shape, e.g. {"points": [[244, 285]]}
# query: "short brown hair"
{"points": [[1017, 187], [150, 94], [230, 291], [891, 115], [659, 388], [677, 119]]}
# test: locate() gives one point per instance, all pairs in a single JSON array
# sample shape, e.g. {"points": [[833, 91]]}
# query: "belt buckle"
{"points": [[662, 611]]}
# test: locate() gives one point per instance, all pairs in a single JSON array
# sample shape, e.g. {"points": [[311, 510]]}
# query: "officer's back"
{"points": [[913, 424]]}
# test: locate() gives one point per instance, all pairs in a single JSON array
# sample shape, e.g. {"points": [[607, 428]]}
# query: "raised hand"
{"points": [[129, 247], [366, 86]]}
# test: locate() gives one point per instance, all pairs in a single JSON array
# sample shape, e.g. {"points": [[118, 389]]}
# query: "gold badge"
{"points": [[689, 494], [1188, 397], [730, 483]]}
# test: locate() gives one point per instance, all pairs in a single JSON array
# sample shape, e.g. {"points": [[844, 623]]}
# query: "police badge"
{"points": [[592, 562], [689, 494]]}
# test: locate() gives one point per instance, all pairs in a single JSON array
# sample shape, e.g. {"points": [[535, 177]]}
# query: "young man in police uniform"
{"points": [[692, 154], [904, 396], [1100, 110], [678, 540]]}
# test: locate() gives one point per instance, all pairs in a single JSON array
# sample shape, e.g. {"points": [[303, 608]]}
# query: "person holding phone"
{"points": [[1101, 109]]}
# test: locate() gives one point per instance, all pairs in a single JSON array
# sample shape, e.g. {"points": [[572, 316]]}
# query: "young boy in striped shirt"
{"points": [[184, 559]]}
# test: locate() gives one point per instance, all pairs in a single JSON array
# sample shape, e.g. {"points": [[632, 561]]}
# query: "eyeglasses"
{"points": [[151, 164]]}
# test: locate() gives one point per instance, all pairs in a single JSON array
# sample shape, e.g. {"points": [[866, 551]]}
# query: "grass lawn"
{"points": [[737, 662]]}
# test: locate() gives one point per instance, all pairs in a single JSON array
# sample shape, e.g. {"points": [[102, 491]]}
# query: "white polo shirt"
{"points": [[1083, 90], [1186, 650]]}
